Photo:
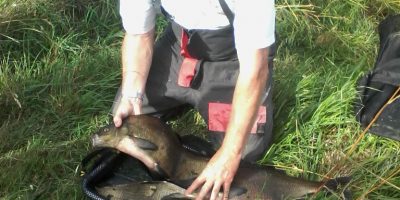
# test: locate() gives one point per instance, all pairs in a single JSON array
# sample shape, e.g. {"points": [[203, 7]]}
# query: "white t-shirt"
{"points": [[254, 22]]}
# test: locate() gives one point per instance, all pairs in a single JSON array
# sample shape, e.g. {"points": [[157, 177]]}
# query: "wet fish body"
{"points": [[152, 142], [148, 190]]}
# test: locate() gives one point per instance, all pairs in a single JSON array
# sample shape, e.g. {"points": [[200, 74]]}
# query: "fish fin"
{"points": [[236, 191], [144, 144], [158, 173], [197, 145], [176, 196], [338, 184]]}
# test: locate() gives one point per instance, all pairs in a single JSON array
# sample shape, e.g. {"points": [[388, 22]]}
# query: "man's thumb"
{"points": [[117, 121]]}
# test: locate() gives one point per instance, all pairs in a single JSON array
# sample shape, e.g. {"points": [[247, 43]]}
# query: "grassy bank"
{"points": [[60, 69]]}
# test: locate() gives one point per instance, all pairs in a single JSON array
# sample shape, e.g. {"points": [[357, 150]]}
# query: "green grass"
{"points": [[60, 69]]}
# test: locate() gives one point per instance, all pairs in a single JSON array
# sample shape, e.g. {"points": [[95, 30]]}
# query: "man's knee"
{"points": [[256, 147]]}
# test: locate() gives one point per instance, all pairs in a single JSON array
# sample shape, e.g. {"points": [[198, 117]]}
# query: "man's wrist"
{"points": [[133, 95], [130, 72], [133, 84], [234, 147]]}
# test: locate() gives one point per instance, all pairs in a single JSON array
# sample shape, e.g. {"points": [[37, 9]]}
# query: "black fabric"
{"points": [[217, 45], [97, 167], [107, 167], [382, 82]]}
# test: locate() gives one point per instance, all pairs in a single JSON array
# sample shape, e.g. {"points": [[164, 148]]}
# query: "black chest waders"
{"points": [[200, 68]]}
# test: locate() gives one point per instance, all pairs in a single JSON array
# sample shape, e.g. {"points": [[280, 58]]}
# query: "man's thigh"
{"points": [[214, 104], [161, 93]]}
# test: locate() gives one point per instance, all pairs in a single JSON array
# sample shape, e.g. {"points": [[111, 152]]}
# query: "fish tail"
{"points": [[339, 184]]}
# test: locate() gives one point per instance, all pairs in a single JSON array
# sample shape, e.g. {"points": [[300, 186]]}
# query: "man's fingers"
{"points": [[127, 107], [215, 190], [117, 121], [205, 189], [196, 183], [227, 186], [137, 108], [119, 116]]}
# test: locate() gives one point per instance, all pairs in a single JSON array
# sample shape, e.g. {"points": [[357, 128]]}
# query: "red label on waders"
{"points": [[219, 113], [188, 66]]}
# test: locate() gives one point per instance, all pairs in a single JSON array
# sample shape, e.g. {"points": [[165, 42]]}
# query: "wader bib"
{"points": [[200, 68]]}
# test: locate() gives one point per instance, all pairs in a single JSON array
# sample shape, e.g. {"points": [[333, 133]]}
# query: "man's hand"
{"points": [[127, 107], [218, 173]]}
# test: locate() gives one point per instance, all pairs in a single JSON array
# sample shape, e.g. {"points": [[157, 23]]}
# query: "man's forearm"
{"points": [[250, 88], [137, 52]]}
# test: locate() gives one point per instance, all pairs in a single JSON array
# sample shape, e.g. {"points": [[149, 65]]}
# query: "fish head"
{"points": [[110, 136], [129, 136]]}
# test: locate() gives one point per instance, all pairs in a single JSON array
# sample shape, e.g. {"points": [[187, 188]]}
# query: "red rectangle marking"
{"points": [[219, 113]]}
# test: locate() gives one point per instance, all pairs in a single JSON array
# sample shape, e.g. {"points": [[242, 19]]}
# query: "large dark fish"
{"points": [[147, 190], [152, 142]]}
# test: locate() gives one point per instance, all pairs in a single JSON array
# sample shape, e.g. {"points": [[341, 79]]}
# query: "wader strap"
{"points": [[166, 14], [228, 12]]}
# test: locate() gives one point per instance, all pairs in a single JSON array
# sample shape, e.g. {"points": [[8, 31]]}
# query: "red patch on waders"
{"points": [[219, 113], [188, 66]]}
